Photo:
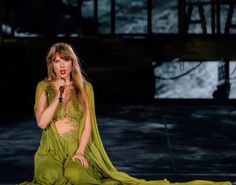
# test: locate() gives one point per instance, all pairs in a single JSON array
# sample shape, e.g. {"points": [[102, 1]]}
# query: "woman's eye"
{"points": [[56, 61]]}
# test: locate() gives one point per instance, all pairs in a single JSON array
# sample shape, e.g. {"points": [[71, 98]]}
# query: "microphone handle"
{"points": [[61, 92], [61, 89]]}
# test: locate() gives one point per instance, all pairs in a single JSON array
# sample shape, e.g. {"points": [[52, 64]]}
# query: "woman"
{"points": [[71, 151]]}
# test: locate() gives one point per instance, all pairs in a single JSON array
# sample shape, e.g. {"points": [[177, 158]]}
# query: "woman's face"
{"points": [[62, 67]]}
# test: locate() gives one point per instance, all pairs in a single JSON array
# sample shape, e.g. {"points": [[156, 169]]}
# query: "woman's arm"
{"points": [[86, 132], [44, 113], [79, 154]]}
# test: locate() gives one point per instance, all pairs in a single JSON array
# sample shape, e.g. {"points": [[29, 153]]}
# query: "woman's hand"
{"points": [[82, 159], [67, 89], [59, 83]]}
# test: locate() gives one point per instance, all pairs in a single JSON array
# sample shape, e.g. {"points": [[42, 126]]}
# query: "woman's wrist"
{"points": [[80, 152], [57, 98]]}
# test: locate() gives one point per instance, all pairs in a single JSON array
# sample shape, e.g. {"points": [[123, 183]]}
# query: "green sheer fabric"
{"points": [[53, 164]]}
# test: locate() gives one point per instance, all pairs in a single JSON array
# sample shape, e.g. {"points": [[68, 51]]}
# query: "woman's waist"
{"points": [[67, 126], [53, 139]]}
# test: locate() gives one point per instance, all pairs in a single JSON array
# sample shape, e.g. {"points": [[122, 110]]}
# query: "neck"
{"points": [[67, 79]]}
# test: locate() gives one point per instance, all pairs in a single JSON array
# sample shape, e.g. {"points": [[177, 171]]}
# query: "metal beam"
{"points": [[186, 47]]}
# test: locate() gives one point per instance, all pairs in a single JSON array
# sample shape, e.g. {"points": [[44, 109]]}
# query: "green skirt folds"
{"points": [[53, 165]]}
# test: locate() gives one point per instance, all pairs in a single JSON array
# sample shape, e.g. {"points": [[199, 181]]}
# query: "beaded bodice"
{"points": [[72, 110]]}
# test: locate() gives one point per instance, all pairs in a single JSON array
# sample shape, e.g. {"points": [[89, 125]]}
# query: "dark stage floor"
{"points": [[177, 142]]}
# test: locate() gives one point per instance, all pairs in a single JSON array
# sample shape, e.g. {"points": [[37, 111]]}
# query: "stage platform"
{"points": [[151, 141]]}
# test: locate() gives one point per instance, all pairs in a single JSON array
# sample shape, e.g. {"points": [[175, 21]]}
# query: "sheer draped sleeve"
{"points": [[96, 139], [40, 89]]}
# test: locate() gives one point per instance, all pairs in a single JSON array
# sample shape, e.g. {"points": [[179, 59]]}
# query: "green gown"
{"points": [[53, 163]]}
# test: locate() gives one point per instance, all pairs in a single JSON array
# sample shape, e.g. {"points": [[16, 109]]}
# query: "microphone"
{"points": [[61, 89]]}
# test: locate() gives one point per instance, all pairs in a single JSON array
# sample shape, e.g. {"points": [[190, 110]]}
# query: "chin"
{"points": [[63, 76]]}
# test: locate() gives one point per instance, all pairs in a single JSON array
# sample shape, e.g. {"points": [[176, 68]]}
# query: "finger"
{"points": [[60, 82], [86, 165], [74, 158], [63, 82], [83, 164], [81, 161], [57, 85]]}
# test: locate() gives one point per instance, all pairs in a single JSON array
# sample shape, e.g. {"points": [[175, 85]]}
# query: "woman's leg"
{"points": [[49, 171], [76, 174]]}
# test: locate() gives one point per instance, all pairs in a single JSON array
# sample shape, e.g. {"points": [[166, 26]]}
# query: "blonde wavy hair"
{"points": [[66, 52]]}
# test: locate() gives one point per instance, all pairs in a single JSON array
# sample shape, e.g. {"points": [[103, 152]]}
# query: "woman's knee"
{"points": [[48, 174], [73, 174]]}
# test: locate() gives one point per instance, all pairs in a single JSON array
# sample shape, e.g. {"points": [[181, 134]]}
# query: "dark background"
{"points": [[153, 138]]}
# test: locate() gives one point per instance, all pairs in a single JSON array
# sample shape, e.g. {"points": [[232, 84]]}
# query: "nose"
{"points": [[62, 64]]}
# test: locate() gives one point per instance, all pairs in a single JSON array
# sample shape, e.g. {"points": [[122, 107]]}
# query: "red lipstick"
{"points": [[63, 71]]}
